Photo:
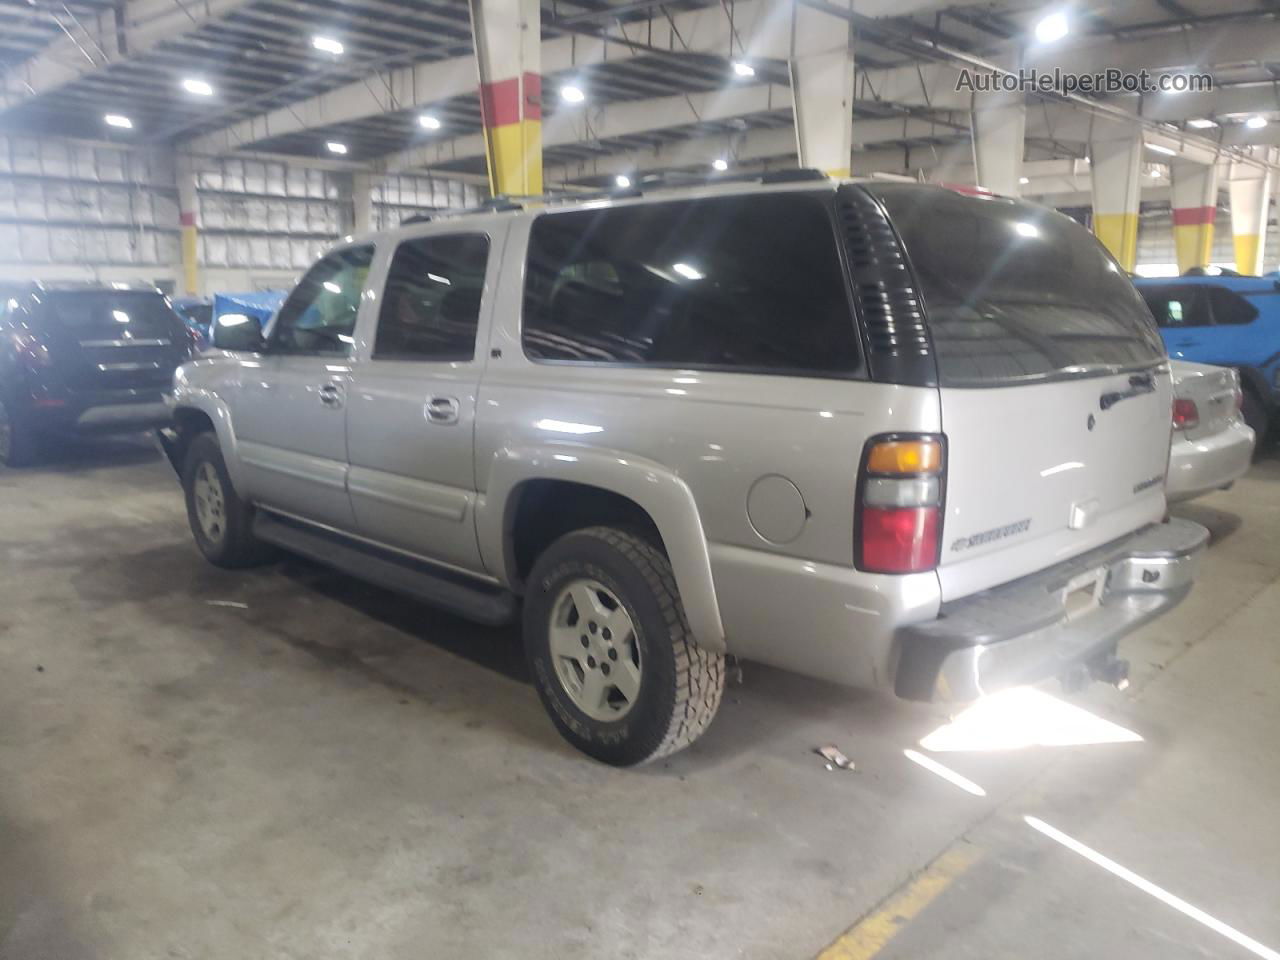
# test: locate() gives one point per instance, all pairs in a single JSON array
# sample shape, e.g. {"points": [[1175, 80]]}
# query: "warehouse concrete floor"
{"points": [[284, 763]]}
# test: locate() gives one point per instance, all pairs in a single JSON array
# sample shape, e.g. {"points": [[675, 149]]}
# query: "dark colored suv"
{"points": [[80, 359]]}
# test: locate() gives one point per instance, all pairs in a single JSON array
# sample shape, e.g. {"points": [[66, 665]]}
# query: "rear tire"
{"points": [[19, 444], [611, 652], [1255, 415], [221, 522]]}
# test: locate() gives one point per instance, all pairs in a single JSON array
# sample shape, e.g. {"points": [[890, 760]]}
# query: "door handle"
{"points": [[331, 395], [442, 410]]}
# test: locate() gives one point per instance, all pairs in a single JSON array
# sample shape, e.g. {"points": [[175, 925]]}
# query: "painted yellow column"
{"points": [[1195, 205], [1116, 152], [508, 54], [1250, 194], [188, 223]]}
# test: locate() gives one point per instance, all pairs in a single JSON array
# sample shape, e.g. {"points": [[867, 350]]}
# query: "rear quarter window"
{"points": [[1014, 292], [747, 283], [111, 315]]}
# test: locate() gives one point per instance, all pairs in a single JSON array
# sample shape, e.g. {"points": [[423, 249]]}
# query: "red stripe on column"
{"points": [[1193, 216], [187, 219], [500, 102]]}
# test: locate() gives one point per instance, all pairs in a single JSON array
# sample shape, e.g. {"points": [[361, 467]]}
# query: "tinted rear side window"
{"points": [[112, 315], [1015, 292], [745, 283], [1177, 306]]}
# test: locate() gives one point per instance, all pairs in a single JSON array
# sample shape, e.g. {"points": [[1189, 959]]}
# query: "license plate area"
{"points": [[1083, 593]]}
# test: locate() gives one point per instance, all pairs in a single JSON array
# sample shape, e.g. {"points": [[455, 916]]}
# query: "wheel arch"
{"points": [[546, 493]]}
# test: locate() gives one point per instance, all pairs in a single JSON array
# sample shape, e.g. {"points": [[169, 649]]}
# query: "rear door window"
{"points": [[1229, 308], [1015, 292], [750, 283]]}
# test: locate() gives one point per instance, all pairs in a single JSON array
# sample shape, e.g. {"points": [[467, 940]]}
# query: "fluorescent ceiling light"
{"points": [[743, 69], [1256, 123], [1026, 229], [118, 120], [622, 180], [328, 45], [332, 287], [120, 316], [428, 122], [334, 147], [1052, 28], [1201, 123], [686, 271], [199, 87], [1160, 148], [1024, 180], [720, 164], [439, 279], [571, 94]]}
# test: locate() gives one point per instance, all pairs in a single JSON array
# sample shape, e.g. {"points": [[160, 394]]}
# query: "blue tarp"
{"points": [[260, 305]]}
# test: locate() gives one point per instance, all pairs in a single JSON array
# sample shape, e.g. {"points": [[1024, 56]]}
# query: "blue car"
{"points": [[1228, 321]]}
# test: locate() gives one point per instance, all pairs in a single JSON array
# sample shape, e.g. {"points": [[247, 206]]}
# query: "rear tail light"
{"points": [[899, 510], [1185, 414]]}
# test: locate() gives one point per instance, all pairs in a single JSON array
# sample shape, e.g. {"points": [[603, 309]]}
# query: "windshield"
{"points": [[111, 315], [1014, 291]]}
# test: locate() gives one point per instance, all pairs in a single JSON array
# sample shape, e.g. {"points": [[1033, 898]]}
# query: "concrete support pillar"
{"points": [[188, 209], [998, 122], [509, 56], [822, 87], [1195, 205], [361, 204], [1250, 194], [1116, 173]]}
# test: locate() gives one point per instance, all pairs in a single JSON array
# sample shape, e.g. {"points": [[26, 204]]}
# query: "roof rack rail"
{"points": [[652, 181]]}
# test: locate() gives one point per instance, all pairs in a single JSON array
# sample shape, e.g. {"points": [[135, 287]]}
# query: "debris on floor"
{"points": [[834, 757]]}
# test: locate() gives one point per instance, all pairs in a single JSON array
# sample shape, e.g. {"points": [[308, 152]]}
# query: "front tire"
{"points": [[221, 522], [611, 652]]}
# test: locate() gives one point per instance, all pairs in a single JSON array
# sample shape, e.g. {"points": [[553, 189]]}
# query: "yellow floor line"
{"points": [[868, 936]]}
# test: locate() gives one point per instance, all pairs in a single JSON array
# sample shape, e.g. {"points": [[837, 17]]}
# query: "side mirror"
{"points": [[237, 331]]}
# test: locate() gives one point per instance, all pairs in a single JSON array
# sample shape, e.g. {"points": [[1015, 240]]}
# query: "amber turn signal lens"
{"points": [[905, 456]]}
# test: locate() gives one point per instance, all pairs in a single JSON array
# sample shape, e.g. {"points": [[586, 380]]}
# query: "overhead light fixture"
{"points": [[686, 271], [622, 181], [118, 120], [199, 87], [743, 69], [328, 45], [572, 94], [1024, 180], [1256, 123], [428, 122], [719, 164], [334, 146], [1160, 148], [1201, 123], [1052, 28]]}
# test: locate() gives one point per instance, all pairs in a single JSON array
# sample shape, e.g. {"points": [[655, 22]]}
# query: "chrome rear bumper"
{"points": [[1051, 622]]}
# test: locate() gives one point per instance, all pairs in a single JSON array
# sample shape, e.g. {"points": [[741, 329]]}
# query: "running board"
{"points": [[455, 592]]}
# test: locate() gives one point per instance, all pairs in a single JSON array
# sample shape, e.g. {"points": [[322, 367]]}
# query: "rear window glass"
{"points": [[749, 283], [1015, 292], [111, 315]]}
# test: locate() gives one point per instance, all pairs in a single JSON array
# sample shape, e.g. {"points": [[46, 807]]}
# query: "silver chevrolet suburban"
{"points": [[885, 434]]}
